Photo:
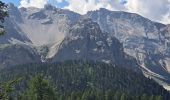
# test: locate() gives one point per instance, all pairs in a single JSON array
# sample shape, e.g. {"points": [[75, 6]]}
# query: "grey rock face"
{"points": [[11, 55], [52, 34], [143, 39], [13, 30], [87, 42], [32, 29]]}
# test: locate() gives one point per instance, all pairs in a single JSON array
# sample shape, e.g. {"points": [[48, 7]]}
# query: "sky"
{"points": [[156, 10]]}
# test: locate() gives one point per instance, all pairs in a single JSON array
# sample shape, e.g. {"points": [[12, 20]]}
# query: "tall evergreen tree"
{"points": [[158, 98], [117, 95], [123, 97], [40, 89], [151, 98], [144, 97], [7, 88], [3, 14]]}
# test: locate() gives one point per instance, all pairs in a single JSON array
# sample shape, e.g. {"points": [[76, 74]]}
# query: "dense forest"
{"points": [[78, 80]]}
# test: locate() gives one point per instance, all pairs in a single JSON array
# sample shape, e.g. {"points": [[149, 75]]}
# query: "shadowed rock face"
{"points": [[52, 34], [11, 55], [87, 42]]}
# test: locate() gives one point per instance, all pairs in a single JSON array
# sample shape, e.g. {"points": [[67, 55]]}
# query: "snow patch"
{"points": [[109, 41], [166, 86], [77, 51], [99, 43], [76, 37], [106, 61], [92, 37], [46, 21], [95, 49], [15, 41]]}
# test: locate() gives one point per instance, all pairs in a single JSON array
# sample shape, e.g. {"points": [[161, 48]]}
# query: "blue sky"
{"points": [[61, 5], [16, 2], [54, 2]]}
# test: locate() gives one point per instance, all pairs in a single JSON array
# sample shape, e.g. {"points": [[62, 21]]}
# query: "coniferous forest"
{"points": [[78, 80]]}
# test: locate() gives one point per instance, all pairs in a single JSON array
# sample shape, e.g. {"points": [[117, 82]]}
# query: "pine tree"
{"points": [[7, 88], [151, 97], [107, 97], [117, 95], [123, 97], [40, 89], [144, 97], [158, 98], [86, 95], [3, 14]]}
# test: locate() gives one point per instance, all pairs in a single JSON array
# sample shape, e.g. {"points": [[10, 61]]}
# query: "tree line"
{"points": [[78, 78], [40, 88]]}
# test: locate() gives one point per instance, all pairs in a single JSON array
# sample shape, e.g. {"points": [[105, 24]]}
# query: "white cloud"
{"points": [[156, 10], [59, 1], [82, 6], [33, 3]]}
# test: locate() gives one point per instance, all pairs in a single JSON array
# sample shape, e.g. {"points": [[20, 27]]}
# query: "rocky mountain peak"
{"points": [[11, 6], [86, 25], [49, 7]]}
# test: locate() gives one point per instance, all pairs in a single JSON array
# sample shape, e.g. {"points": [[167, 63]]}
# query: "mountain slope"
{"points": [[14, 54], [143, 39], [87, 42], [52, 34], [78, 76]]}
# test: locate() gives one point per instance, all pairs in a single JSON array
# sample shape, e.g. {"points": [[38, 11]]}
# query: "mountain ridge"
{"points": [[44, 30]]}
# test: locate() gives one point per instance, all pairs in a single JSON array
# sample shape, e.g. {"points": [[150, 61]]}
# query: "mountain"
{"points": [[145, 40], [87, 42], [17, 54], [113, 37]]}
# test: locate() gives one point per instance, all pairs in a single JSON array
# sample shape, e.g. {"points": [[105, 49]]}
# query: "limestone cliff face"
{"points": [[145, 40]]}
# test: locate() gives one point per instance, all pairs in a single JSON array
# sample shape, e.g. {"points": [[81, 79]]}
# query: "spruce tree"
{"points": [[3, 14], [117, 95], [123, 97], [40, 89], [158, 98], [7, 88], [144, 97], [151, 97]]}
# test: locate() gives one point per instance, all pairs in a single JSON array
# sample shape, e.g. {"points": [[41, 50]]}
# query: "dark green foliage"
{"points": [[94, 95], [89, 81], [39, 89], [123, 97], [3, 14], [7, 88]]}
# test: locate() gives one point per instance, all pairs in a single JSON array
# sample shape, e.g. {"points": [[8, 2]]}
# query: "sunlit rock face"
{"points": [[38, 28], [145, 40]]}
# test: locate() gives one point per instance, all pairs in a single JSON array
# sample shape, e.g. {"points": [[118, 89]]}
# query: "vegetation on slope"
{"points": [[77, 78]]}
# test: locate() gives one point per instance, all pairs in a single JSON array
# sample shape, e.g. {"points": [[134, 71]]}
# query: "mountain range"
{"points": [[50, 34]]}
